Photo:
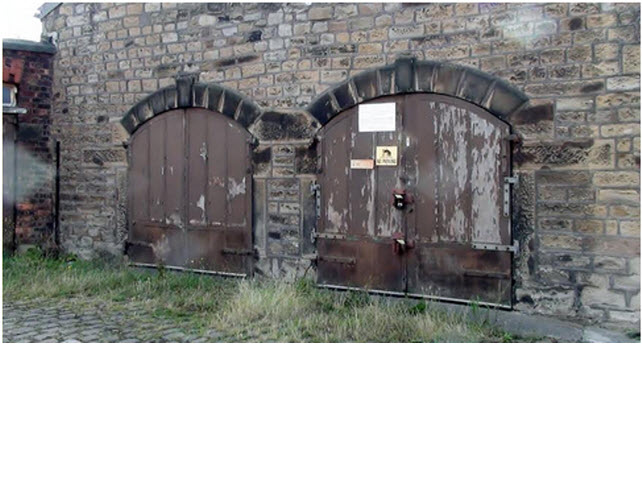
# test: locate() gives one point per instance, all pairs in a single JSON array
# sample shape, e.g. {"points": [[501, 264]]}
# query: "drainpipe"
{"points": [[57, 198]]}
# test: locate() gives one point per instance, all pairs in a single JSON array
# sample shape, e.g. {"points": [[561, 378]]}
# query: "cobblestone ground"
{"points": [[58, 322]]}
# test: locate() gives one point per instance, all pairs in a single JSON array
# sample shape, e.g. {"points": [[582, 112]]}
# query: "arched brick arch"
{"points": [[187, 93], [409, 75]]}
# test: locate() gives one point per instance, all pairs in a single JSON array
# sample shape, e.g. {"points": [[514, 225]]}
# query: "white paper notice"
{"points": [[378, 117]]}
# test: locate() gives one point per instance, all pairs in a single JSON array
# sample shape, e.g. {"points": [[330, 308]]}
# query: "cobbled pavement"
{"points": [[25, 322]]}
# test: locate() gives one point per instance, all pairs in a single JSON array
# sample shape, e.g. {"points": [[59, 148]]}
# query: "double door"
{"points": [[433, 218], [190, 193]]}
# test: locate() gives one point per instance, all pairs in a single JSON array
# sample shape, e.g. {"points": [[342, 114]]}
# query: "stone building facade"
{"points": [[566, 77], [28, 162]]}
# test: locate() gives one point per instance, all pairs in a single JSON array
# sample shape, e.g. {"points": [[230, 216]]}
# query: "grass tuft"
{"points": [[257, 310]]}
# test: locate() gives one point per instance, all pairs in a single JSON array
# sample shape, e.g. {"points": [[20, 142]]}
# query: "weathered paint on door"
{"points": [[453, 158], [190, 193]]}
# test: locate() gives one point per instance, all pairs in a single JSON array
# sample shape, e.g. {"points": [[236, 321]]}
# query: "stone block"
{"points": [[630, 228], [629, 82], [563, 177], [323, 109], [560, 242], [618, 196], [616, 179], [602, 298], [366, 85], [276, 126], [631, 59], [344, 96], [103, 156], [595, 227], [320, 13], [624, 211], [629, 247]]}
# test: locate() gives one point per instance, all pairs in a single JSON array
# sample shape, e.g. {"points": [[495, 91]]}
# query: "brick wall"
{"points": [[31, 71], [577, 200]]}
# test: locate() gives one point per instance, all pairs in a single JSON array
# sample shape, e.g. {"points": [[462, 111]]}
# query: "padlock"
{"points": [[400, 199]]}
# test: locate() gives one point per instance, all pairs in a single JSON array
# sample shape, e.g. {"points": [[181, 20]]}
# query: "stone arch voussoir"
{"points": [[409, 75], [188, 93]]}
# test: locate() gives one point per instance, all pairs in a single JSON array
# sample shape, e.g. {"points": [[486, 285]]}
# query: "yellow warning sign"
{"points": [[386, 156]]}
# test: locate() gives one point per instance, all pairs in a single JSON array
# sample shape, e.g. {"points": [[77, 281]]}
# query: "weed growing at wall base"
{"points": [[257, 310]]}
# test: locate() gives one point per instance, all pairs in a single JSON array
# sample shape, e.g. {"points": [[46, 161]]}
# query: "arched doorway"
{"points": [[430, 214], [190, 193]]}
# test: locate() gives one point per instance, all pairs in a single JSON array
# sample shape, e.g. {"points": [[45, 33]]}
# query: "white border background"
{"points": [[319, 411], [542, 411]]}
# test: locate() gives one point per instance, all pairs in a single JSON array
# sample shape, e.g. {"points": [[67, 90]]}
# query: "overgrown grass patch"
{"points": [[257, 310]]}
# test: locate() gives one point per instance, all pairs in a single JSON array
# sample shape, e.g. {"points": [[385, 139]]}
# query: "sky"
{"points": [[18, 21]]}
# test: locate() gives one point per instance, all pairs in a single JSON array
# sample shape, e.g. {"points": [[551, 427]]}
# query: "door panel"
{"points": [[356, 206], [452, 161], [190, 193], [464, 169]]}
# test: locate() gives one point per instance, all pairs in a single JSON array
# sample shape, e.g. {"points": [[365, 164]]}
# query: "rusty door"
{"points": [[8, 182], [449, 234], [190, 193]]}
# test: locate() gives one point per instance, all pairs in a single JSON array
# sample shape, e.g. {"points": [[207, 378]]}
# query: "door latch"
{"points": [[400, 199], [400, 244]]}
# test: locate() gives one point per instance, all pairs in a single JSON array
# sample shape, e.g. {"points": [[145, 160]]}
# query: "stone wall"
{"points": [[577, 201], [28, 65]]}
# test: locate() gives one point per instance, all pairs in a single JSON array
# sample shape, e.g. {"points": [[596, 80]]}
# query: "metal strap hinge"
{"points": [[514, 248], [315, 189], [514, 138], [508, 181], [328, 236], [236, 251], [342, 260]]}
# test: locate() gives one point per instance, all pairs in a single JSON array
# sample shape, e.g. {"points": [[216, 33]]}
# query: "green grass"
{"points": [[240, 310]]}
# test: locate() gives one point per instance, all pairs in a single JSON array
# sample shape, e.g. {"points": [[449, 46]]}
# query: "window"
{"points": [[9, 95]]}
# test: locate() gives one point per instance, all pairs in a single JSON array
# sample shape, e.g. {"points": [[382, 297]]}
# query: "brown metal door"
{"points": [[357, 221], [456, 159], [8, 182], [190, 191], [452, 160]]}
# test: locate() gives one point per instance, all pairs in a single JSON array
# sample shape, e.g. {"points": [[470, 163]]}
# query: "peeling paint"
{"points": [[235, 188], [452, 128], [485, 182], [201, 205], [217, 181], [175, 219], [161, 248]]}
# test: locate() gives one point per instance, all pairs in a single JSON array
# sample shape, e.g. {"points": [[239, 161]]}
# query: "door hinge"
{"points": [[342, 260], [513, 138], [328, 236], [236, 251], [315, 189], [514, 248], [508, 181]]}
